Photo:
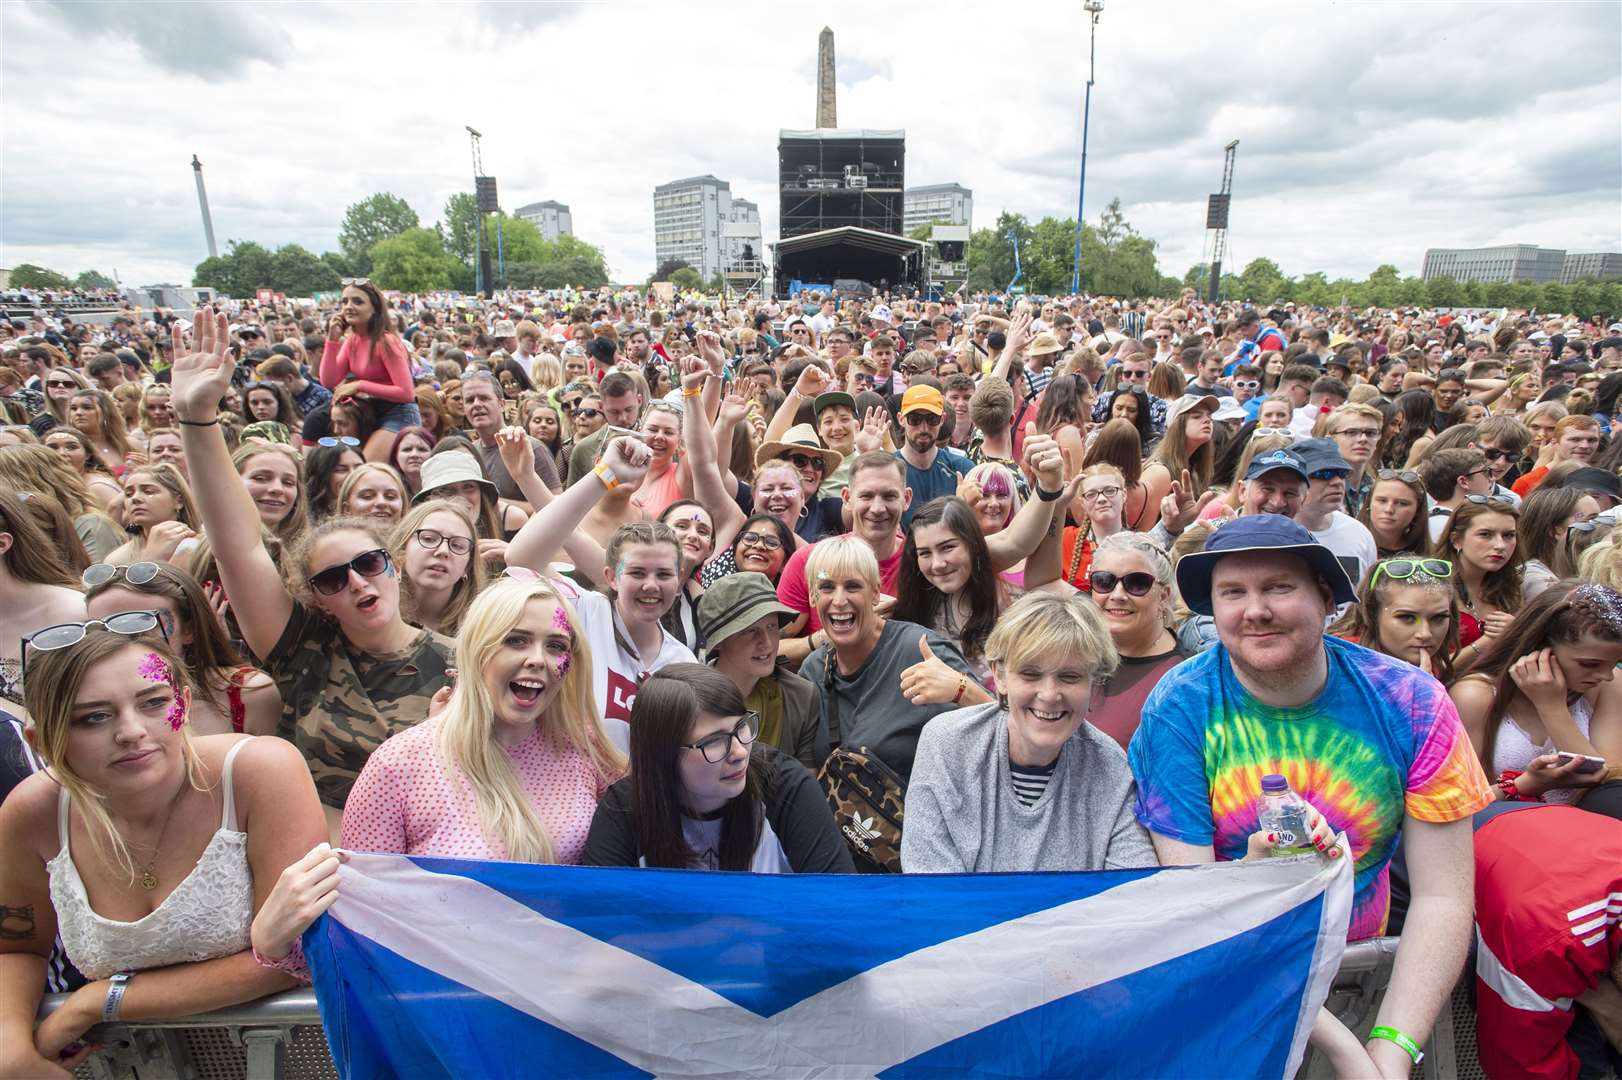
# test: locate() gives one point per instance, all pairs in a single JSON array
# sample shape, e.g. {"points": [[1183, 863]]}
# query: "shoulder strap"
{"points": [[830, 694], [228, 817], [62, 814]]}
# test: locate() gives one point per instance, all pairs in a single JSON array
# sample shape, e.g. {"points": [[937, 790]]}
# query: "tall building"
{"points": [[1521, 262], [688, 216], [552, 218], [949, 204], [1604, 265]]}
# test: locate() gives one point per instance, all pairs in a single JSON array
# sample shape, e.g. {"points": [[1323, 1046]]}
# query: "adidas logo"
{"points": [[863, 829]]}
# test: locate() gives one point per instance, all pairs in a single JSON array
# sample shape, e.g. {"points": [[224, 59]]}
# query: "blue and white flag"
{"points": [[439, 967]]}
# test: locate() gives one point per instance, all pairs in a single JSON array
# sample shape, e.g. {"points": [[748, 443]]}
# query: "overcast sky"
{"points": [[1369, 131]]}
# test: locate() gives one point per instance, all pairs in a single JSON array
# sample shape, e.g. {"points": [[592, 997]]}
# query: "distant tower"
{"points": [[202, 201], [827, 115]]}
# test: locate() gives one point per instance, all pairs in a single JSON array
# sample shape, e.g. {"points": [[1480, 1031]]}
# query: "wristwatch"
{"points": [[115, 996]]}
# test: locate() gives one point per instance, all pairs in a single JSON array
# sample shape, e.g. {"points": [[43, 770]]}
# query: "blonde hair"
{"points": [[842, 556], [168, 477], [465, 742], [546, 372], [469, 585], [54, 678], [298, 518], [1602, 564], [352, 481], [1048, 628], [39, 468], [111, 418]]}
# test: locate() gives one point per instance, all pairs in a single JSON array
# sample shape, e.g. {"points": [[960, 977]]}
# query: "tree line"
{"points": [[30, 276]]}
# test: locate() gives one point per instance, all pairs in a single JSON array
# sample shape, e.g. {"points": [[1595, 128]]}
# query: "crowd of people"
{"points": [[815, 586]]}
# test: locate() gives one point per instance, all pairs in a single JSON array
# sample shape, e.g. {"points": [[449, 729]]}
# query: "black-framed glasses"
{"points": [[1137, 583], [807, 461], [1407, 476], [368, 564], [715, 748], [62, 635], [136, 573], [1108, 494], [433, 539], [762, 540], [1403, 569], [338, 440]]}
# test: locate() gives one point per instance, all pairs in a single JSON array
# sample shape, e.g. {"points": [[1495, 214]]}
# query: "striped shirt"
{"points": [[1031, 780]]}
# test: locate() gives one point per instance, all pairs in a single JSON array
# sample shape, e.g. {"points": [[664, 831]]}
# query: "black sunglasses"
{"points": [[368, 564], [1499, 455], [803, 461], [588, 414], [1137, 583]]}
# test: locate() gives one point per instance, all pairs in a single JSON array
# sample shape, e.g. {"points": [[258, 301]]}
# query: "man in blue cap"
{"points": [[1372, 743], [1321, 511]]}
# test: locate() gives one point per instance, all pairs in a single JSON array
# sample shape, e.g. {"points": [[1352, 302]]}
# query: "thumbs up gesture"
{"points": [[932, 681]]}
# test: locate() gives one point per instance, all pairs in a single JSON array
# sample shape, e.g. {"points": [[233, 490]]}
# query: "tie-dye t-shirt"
{"points": [[1382, 739]]}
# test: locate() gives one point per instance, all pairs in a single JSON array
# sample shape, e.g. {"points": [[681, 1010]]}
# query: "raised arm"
{"points": [[812, 381], [1019, 334], [230, 519], [1025, 531], [709, 488], [518, 455], [625, 461]]}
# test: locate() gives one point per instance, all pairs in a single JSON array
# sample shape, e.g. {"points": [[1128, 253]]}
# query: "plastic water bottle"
{"points": [[1283, 813]]}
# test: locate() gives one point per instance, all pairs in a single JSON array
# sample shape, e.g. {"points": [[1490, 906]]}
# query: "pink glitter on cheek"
{"points": [[560, 620], [565, 661], [154, 667]]}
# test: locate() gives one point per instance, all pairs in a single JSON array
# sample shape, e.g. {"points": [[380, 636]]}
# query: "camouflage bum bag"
{"points": [[866, 794]]}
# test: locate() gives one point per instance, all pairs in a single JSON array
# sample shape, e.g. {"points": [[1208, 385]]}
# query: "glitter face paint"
{"points": [[154, 667]]}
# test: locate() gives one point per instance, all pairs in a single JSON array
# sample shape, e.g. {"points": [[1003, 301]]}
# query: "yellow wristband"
{"points": [[606, 475], [694, 392]]}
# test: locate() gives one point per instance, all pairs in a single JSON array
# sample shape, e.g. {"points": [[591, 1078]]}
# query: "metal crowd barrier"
{"points": [[280, 1037]]}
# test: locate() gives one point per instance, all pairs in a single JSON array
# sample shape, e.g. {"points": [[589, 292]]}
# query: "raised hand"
{"points": [[164, 538], [733, 409], [517, 452], [711, 350], [628, 459], [931, 681], [1180, 509], [812, 381], [871, 437], [1019, 332], [202, 376]]}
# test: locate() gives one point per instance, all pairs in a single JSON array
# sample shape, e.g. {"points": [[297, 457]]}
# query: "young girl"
{"points": [[373, 490], [227, 694], [362, 349], [1408, 608], [439, 577], [695, 530], [1481, 542], [77, 453], [703, 794], [325, 469], [159, 515], [1185, 451], [36, 590], [269, 473], [1548, 685], [148, 849], [96, 415], [1394, 514]]}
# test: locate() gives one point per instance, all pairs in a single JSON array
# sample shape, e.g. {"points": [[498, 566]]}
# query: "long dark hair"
{"points": [[1061, 405], [1144, 423], [380, 325], [1119, 444], [319, 465], [785, 537], [1418, 411], [1563, 613], [1545, 510], [1502, 587], [661, 721], [921, 602]]}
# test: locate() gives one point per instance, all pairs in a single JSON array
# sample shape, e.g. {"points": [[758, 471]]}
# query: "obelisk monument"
{"points": [[827, 115]]}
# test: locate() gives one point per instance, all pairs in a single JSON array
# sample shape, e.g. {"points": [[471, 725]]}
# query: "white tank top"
{"points": [[1514, 751], [207, 916]]}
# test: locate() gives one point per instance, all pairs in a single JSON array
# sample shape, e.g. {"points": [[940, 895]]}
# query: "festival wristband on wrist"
{"points": [[693, 392], [962, 685], [115, 997], [198, 423], [1049, 496], [1403, 1042], [606, 475]]}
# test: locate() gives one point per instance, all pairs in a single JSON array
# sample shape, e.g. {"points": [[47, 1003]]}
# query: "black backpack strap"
{"points": [[830, 695]]}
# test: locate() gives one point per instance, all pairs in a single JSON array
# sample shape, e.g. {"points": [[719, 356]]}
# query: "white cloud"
{"points": [[1368, 131]]}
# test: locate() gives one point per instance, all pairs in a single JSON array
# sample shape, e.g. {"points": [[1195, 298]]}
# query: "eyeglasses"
{"points": [[1133, 376], [1286, 432], [1494, 501], [1246, 384], [1137, 583], [136, 573], [1494, 454], [59, 383], [716, 747], [129, 623], [433, 539], [1358, 433], [1403, 569], [337, 440], [355, 281], [761, 540], [920, 418], [1108, 494], [804, 461], [367, 564], [588, 414], [1407, 476]]}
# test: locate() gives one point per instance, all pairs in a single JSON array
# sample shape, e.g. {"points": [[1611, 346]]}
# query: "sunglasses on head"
{"points": [[368, 564], [1495, 501], [1403, 569], [337, 440], [1137, 583], [355, 281], [1407, 476], [62, 635], [136, 573]]}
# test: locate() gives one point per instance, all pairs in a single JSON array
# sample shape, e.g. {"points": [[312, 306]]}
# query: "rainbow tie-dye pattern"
{"points": [[1382, 739]]}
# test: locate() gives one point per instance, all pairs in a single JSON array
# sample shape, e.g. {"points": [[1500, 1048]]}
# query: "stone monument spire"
{"points": [[827, 115]]}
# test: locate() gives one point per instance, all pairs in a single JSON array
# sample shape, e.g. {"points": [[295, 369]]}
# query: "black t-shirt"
{"points": [[801, 838]]}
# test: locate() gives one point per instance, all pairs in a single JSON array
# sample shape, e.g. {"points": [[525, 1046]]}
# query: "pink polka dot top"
{"points": [[404, 801]]}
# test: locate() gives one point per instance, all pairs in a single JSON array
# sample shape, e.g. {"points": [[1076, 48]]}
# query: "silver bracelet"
{"points": [[115, 997]]}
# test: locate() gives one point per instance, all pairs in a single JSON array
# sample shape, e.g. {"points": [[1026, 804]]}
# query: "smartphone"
{"points": [[1589, 764]]}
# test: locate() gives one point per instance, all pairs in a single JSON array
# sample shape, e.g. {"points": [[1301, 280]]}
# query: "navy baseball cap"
{"points": [[1320, 455], [1275, 459], [1271, 533]]}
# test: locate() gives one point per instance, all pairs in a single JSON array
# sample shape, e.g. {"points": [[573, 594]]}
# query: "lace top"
{"points": [[207, 916], [1514, 750]]}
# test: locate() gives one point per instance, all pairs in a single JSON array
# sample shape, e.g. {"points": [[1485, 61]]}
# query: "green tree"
{"points": [[578, 262], [1262, 282], [412, 261], [299, 272], [666, 268], [29, 276], [521, 241], [374, 218], [1444, 292], [687, 278], [93, 279], [456, 230], [245, 268], [339, 264]]}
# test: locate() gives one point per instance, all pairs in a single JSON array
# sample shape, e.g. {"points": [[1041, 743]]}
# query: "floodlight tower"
{"points": [[1094, 8], [202, 202], [1216, 218]]}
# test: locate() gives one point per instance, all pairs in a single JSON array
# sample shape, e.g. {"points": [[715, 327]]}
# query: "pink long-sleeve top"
{"points": [[405, 803], [387, 377]]}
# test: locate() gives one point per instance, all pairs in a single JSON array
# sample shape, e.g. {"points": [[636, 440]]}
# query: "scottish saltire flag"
{"points": [[439, 967]]}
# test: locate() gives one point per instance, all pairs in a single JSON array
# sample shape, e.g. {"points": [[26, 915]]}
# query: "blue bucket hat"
{"points": [[1259, 532]]}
